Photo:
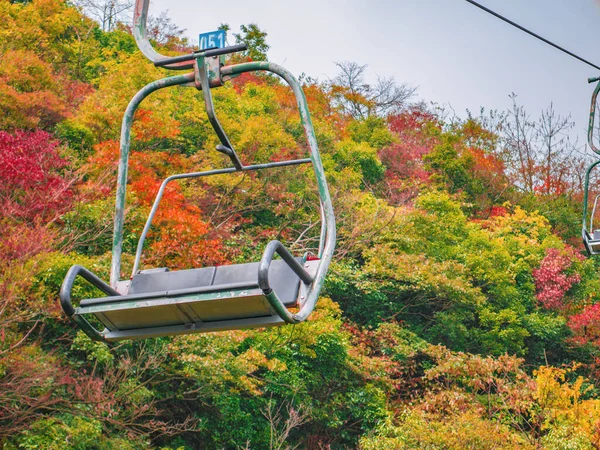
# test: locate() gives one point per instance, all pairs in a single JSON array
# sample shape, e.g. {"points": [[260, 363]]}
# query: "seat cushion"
{"points": [[144, 283], [283, 280]]}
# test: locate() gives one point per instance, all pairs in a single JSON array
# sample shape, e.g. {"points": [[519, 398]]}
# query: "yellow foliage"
{"points": [[102, 111], [466, 430], [561, 405], [215, 361]]}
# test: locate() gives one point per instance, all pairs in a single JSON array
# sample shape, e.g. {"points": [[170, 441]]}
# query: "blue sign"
{"points": [[213, 39]]}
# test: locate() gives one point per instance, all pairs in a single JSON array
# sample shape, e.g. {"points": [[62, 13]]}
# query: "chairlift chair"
{"points": [[590, 236], [159, 302]]}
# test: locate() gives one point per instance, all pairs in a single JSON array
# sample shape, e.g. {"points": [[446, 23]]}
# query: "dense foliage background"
{"points": [[459, 311]]}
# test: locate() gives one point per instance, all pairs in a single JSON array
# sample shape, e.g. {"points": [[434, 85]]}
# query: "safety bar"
{"points": [[161, 191], [65, 298], [263, 269], [263, 280]]}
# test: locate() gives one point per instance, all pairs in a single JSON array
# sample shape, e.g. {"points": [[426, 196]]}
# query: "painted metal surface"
{"points": [[227, 302], [593, 114], [209, 327], [140, 33]]}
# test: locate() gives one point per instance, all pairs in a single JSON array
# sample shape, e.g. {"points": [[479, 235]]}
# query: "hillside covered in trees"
{"points": [[460, 311]]}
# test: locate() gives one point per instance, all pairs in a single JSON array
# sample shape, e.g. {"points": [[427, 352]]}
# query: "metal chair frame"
{"points": [[208, 72]]}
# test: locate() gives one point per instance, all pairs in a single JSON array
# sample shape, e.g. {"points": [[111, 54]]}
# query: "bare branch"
{"points": [[355, 97]]}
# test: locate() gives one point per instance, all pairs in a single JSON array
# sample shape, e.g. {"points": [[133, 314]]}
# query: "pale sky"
{"points": [[452, 51]]}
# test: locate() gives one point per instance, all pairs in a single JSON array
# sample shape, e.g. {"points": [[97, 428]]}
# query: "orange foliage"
{"points": [[181, 240], [489, 169], [76, 92], [31, 95], [180, 237], [101, 170], [149, 126]]}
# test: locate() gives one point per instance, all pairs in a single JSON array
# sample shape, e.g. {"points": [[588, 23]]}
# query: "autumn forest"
{"points": [[460, 309]]}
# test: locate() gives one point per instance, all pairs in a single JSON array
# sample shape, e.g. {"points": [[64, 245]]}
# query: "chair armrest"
{"points": [[263, 277], [65, 298], [265, 263]]}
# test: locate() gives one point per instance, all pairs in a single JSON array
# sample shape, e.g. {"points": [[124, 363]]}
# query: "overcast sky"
{"points": [[452, 51]]}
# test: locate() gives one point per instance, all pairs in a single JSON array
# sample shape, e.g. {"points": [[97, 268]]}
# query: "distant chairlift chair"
{"points": [[159, 302], [591, 237]]}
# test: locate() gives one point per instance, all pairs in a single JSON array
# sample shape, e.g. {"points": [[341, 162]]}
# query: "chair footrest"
{"points": [[190, 328], [131, 312]]}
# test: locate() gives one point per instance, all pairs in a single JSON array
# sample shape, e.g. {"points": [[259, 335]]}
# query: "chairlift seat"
{"points": [[159, 302]]}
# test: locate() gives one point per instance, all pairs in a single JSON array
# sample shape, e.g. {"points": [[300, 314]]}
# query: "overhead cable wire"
{"points": [[493, 13]]}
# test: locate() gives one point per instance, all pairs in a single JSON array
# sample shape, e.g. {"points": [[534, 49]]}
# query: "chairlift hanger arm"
{"points": [[183, 62], [593, 114], [140, 33]]}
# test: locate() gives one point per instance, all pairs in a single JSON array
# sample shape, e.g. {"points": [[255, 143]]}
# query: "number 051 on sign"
{"points": [[213, 39]]}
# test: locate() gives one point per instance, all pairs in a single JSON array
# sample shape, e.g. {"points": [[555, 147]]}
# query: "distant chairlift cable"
{"points": [[493, 13]]}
